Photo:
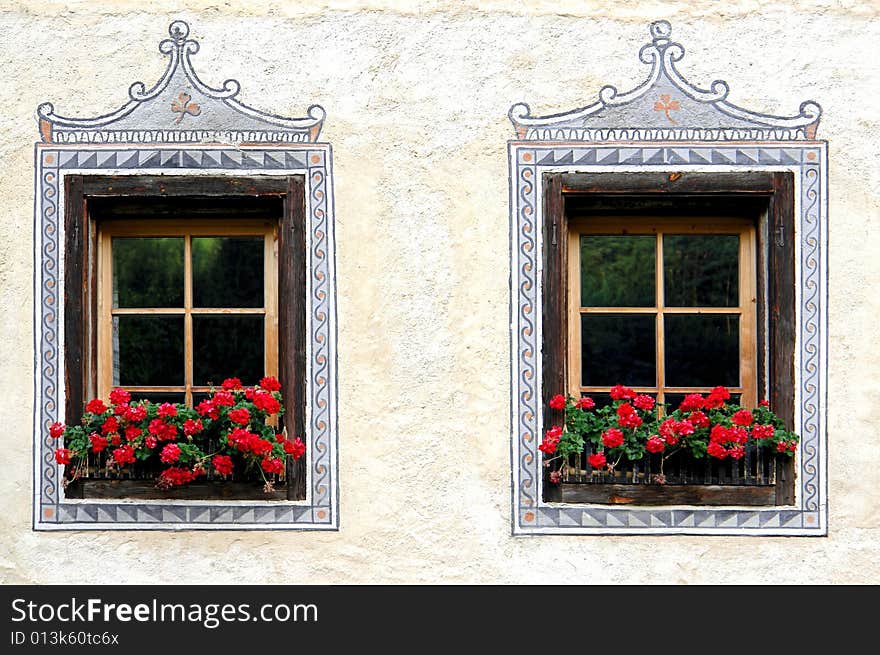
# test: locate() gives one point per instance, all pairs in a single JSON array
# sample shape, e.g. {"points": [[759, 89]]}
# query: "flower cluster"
{"points": [[229, 431], [634, 425]]}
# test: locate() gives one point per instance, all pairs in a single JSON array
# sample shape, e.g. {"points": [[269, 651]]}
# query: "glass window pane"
{"points": [[618, 349], [147, 271], [702, 350], [225, 347], [701, 270], [227, 271], [618, 271], [148, 351]]}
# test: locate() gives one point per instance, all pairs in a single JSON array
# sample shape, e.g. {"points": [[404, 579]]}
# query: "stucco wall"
{"points": [[417, 100]]}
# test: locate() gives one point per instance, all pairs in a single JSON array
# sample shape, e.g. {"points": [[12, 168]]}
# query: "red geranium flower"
{"points": [[763, 431], [764, 403], [135, 414], [272, 465], [208, 408], [222, 464], [166, 410], [110, 425], [270, 383], [97, 442], [240, 415], [295, 448], [555, 477], [713, 401], [698, 419], [96, 406], [612, 438], [644, 402], [655, 444], [627, 416], [692, 402], [231, 383], [123, 455], [119, 397], [62, 455], [719, 434], [737, 452], [267, 402], [132, 432], [162, 430], [716, 450], [175, 477], [597, 460], [620, 392], [223, 399], [585, 403], [56, 429], [191, 427], [150, 441], [743, 417], [722, 392], [557, 402], [170, 453]]}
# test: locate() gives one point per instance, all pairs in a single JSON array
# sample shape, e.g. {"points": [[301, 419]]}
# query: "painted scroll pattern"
{"points": [[526, 415], [320, 366], [810, 333]]}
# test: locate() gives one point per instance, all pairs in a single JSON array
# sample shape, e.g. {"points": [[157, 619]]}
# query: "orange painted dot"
{"points": [[529, 516], [527, 157], [316, 159], [811, 156], [50, 159], [48, 512], [322, 514], [811, 519]]}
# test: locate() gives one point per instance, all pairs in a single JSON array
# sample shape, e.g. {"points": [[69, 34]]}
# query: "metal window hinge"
{"points": [[553, 240], [780, 236]]}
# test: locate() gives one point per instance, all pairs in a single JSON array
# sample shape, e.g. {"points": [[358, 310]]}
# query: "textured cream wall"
{"points": [[417, 97]]}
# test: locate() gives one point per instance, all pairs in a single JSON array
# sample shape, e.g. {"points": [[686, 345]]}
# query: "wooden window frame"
{"points": [[189, 229], [657, 227], [773, 194], [81, 351]]}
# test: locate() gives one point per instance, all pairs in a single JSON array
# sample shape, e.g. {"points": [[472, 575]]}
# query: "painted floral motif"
{"points": [[183, 106], [667, 104]]}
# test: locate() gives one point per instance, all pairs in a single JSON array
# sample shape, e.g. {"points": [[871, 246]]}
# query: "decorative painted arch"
{"points": [[183, 127], [669, 125]]}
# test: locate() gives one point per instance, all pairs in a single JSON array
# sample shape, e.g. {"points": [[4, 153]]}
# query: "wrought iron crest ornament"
{"points": [[665, 107], [180, 108]]}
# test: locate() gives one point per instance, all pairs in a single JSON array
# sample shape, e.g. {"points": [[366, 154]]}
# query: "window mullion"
{"points": [[661, 351], [187, 318]]}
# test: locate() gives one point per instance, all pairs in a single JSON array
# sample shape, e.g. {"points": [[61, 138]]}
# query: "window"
{"points": [[183, 305], [670, 292], [175, 284], [666, 307]]}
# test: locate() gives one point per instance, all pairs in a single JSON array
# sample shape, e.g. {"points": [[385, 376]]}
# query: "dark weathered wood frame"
{"points": [[80, 335], [776, 287]]}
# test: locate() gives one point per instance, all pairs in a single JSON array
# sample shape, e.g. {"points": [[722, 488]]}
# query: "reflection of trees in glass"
{"points": [[147, 271], [149, 351], [227, 346], [618, 271], [227, 271], [618, 349], [701, 270], [702, 350]]}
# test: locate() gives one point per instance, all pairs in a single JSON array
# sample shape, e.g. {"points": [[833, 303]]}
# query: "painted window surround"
{"points": [[667, 125], [207, 133]]}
